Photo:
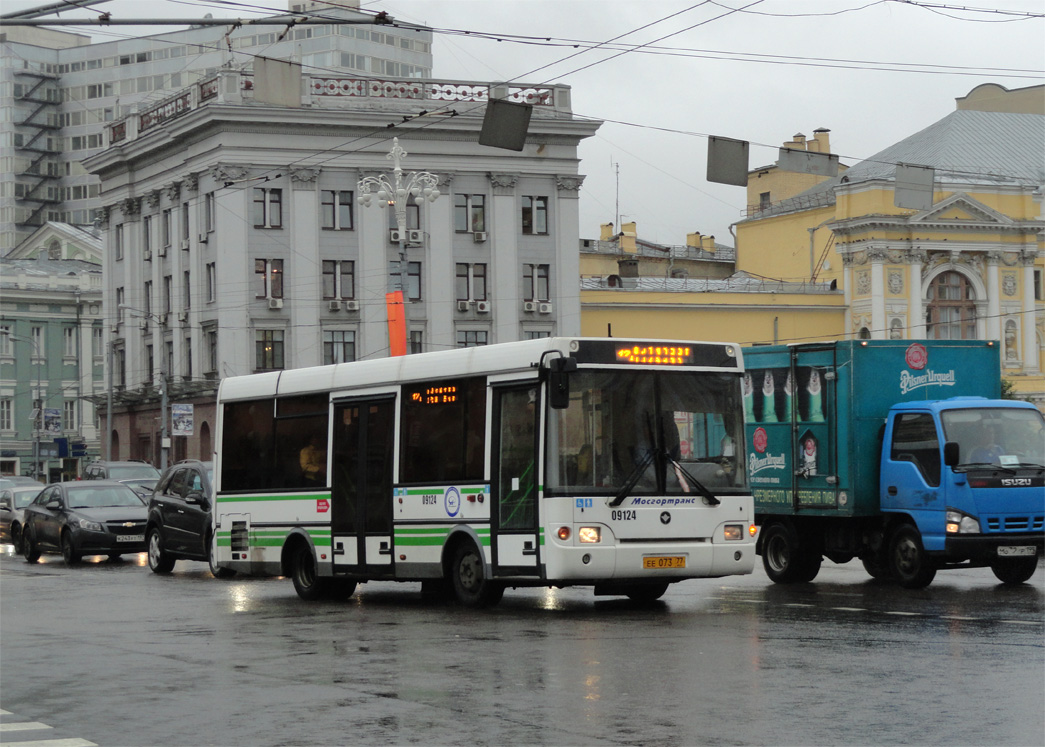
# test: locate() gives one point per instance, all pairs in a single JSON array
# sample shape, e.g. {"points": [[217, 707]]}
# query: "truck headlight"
{"points": [[959, 522]]}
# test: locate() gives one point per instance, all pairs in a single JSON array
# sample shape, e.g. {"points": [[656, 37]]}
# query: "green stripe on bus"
{"points": [[252, 498]]}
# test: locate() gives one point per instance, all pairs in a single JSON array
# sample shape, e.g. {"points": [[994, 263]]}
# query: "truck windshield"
{"points": [[647, 433], [1008, 437]]}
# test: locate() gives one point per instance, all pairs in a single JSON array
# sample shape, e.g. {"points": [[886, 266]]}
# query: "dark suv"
{"points": [[179, 524]]}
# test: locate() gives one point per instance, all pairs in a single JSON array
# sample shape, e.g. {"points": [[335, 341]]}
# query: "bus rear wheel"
{"points": [[471, 587], [309, 585], [646, 592]]}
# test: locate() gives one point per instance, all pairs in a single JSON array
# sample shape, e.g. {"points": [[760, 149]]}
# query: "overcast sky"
{"points": [[838, 64]]}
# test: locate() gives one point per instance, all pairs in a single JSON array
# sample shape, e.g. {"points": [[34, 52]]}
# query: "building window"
{"points": [[37, 335], [211, 337], [471, 338], [416, 341], [212, 282], [336, 209], [117, 241], [187, 300], [535, 281], [469, 213], [535, 215], [69, 415], [168, 285], [185, 220], [951, 311], [150, 362], [533, 334], [1037, 285], [268, 347], [6, 415], [148, 297], [470, 282], [268, 274], [411, 279], [208, 212], [147, 237], [339, 278], [413, 217], [268, 208], [188, 357], [69, 340], [119, 355], [119, 305], [763, 201], [166, 228], [339, 346], [97, 345]]}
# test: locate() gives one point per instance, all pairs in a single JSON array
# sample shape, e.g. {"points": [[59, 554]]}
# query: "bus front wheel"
{"points": [[471, 587], [309, 585]]}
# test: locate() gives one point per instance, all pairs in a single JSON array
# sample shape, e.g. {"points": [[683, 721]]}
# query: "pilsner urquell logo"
{"points": [[917, 357], [756, 463]]}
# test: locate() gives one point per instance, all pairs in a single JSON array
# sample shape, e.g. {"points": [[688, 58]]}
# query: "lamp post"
{"points": [[421, 185], [38, 420]]}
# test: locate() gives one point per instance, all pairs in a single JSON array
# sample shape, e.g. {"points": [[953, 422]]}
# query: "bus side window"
{"points": [[246, 446]]}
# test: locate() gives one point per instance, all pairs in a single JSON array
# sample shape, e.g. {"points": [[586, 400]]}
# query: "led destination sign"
{"points": [[435, 395], [657, 355]]}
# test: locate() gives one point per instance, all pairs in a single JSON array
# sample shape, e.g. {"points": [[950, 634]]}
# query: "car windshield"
{"points": [[633, 432], [131, 472], [104, 497], [996, 435]]}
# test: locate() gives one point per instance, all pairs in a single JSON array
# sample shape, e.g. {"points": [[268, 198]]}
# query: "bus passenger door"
{"points": [[361, 487], [513, 489]]}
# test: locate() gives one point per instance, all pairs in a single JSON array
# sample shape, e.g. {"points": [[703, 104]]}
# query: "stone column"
{"points": [[304, 337], [916, 259], [439, 301], [566, 290], [879, 325], [1031, 356], [504, 257], [993, 330]]}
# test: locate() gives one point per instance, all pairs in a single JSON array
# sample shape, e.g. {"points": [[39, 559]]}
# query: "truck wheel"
{"points": [[875, 566], [785, 561], [1014, 570], [309, 585], [907, 559]]}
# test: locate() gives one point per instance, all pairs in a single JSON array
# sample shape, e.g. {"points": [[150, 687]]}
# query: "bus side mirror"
{"points": [[559, 370], [951, 453]]}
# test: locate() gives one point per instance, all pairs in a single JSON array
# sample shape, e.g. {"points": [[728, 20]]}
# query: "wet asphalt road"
{"points": [[112, 654]]}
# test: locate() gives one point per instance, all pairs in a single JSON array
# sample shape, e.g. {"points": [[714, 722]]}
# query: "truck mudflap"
{"points": [[988, 548]]}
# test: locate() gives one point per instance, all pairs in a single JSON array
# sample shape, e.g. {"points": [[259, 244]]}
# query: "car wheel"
{"points": [[159, 560], [69, 552], [646, 592], [785, 560], [30, 550], [16, 538], [215, 570], [309, 585], [1015, 570], [907, 559], [471, 587]]}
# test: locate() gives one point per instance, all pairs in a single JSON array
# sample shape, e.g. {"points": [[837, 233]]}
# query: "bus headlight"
{"points": [[959, 522], [733, 531], [589, 535]]}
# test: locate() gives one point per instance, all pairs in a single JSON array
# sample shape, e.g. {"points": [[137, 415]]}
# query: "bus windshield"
{"points": [[647, 434]]}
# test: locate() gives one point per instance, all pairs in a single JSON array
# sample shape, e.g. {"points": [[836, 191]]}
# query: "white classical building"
{"points": [[235, 242]]}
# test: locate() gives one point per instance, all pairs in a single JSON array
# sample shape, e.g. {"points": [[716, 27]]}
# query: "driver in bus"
{"points": [[313, 460]]}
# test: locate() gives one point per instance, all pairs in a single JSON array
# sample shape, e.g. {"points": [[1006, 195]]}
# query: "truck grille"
{"points": [[1015, 523]]}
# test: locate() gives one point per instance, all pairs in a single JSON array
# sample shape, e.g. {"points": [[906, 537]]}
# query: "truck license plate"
{"points": [[663, 561], [131, 538], [1011, 551]]}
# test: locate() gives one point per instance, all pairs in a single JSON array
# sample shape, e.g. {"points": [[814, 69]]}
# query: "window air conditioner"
{"points": [[545, 308], [147, 255], [185, 245], [393, 236], [183, 316], [415, 235], [483, 307], [161, 318], [275, 303], [529, 306], [463, 305], [352, 305], [163, 251], [334, 306], [479, 237], [203, 238]]}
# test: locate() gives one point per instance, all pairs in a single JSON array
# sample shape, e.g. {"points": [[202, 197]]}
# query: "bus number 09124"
{"points": [[623, 515]]}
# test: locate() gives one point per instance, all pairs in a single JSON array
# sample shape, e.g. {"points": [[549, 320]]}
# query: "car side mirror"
{"points": [[4, 503], [54, 504], [196, 498], [951, 454]]}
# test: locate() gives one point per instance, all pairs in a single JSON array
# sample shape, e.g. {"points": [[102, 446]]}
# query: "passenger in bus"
{"points": [[313, 460]]}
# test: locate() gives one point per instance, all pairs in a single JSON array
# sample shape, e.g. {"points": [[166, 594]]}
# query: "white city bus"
{"points": [[553, 462]]}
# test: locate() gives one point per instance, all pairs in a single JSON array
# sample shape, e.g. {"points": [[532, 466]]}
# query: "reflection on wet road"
{"points": [[117, 655]]}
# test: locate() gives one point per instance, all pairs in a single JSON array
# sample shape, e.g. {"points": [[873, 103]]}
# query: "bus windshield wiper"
{"points": [[633, 478], [707, 494]]}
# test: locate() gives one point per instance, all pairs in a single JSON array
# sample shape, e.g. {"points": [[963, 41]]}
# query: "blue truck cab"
{"points": [[898, 453]]}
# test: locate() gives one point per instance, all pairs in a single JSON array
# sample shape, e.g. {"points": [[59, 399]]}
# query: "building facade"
{"points": [[51, 353], [236, 243], [59, 90]]}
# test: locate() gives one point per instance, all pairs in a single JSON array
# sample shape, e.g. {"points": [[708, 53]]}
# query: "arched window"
{"points": [[951, 309]]}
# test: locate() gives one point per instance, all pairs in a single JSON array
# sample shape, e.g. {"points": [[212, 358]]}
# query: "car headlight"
{"points": [[959, 522], [90, 526]]}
